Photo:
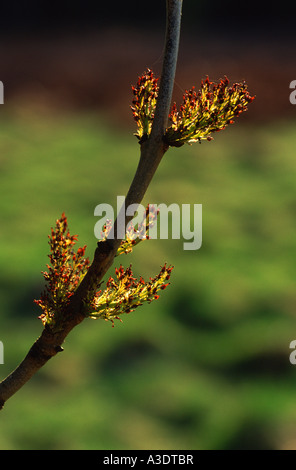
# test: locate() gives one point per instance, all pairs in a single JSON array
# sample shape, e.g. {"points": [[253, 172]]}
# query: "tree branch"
{"points": [[152, 151], [154, 148]]}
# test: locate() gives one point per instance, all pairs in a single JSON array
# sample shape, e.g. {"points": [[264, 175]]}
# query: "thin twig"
{"points": [[152, 151]]}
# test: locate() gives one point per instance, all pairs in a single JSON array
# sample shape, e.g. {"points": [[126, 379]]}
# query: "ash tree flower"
{"points": [[127, 293], [144, 103], [65, 272], [67, 268], [201, 113], [134, 234]]}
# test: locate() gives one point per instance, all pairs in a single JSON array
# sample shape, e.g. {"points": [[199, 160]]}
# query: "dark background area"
{"points": [[35, 16], [82, 54]]}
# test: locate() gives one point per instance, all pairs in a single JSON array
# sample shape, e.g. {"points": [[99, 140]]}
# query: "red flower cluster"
{"points": [[209, 110], [144, 103], [127, 293], [67, 269], [134, 234], [64, 274]]}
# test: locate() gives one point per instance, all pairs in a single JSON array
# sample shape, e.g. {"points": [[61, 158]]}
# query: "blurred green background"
{"points": [[207, 365]]}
